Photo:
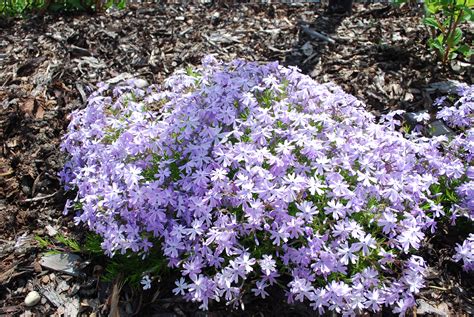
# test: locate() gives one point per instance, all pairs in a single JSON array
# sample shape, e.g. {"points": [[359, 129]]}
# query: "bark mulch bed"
{"points": [[48, 64]]}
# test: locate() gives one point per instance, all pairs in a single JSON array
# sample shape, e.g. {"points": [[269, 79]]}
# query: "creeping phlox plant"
{"points": [[249, 176]]}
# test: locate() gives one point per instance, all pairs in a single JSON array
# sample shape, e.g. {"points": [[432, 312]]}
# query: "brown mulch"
{"points": [[48, 64]]}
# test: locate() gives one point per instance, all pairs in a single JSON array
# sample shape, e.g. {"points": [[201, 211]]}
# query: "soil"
{"points": [[48, 64]]}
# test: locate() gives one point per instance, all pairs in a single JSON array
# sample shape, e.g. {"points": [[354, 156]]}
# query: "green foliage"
{"points": [[446, 193], [68, 242], [21, 7], [14, 7], [59, 243], [444, 17], [92, 245], [43, 242], [130, 265]]}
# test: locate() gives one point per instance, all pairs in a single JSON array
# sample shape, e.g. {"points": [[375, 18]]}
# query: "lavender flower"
{"points": [[146, 282], [465, 253], [250, 171]]}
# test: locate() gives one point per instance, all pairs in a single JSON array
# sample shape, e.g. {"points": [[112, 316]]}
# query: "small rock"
{"points": [[84, 304], [141, 83], [51, 231], [396, 37], [215, 18], [32, 299], [307, 49], [456, 67], [437, 128], [19, 290], [445, 87], [45, 279], [408, 97]]}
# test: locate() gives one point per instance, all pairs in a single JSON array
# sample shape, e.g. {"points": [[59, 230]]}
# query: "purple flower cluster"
{"points": [[465, 253], [460, 115], [244, 174]]}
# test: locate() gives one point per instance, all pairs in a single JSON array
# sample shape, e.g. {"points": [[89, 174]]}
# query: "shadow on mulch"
{"points": [[378, 54]]}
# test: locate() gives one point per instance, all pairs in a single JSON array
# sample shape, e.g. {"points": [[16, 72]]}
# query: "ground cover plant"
{"points": [[252, 176]]}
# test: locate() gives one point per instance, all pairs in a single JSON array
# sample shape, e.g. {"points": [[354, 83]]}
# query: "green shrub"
{"points": [[444, 18], [22, 7]]}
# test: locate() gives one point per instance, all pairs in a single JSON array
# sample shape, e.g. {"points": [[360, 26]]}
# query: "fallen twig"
{"points": [[30, 200], [438, 288], [314, 34], [277, 50]]}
